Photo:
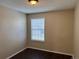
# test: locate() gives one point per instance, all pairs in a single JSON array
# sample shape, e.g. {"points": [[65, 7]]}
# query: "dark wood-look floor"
{"points": [[38, 54]]}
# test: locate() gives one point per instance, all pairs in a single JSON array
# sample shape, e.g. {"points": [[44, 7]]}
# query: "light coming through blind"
{"points": [[37, 29]]}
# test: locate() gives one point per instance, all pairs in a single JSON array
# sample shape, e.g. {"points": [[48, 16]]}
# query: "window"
{"points": [[37, 29]]}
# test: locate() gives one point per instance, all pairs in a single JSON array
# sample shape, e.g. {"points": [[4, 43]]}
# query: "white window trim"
{"points": [[44, 31]]}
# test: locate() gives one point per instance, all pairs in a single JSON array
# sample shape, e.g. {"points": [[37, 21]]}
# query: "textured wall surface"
{"points": [[58, 29], [12, 31], [76, 32]]}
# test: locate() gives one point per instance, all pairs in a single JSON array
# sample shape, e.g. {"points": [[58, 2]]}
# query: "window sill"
{"points": [[37, 41]]}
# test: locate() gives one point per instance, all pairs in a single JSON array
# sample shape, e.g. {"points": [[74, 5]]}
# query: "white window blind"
{"points": [[37, 29]]}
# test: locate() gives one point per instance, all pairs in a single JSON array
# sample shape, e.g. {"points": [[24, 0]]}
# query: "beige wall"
{"points": [[76, 32], [59, 31], [12, 31]]}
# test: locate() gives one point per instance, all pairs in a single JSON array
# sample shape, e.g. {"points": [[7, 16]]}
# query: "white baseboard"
{"points": [[40, 49], [52, 51], [15, 53]]}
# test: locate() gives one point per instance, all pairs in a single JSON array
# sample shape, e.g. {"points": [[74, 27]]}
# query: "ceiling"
{"points": [[42, 6]]}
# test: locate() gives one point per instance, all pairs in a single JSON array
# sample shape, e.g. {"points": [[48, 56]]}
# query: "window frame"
{"points": [[44, 30]]}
